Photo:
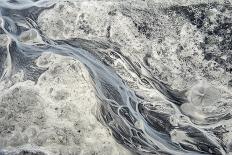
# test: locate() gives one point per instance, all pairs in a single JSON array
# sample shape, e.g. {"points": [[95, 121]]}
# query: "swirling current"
{"points": [[160, 73]]}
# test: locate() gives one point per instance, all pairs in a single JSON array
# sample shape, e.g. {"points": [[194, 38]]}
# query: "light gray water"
{"points": [[188, 119]]}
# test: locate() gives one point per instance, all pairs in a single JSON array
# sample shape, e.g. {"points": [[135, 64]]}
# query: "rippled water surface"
{"points": [[152, 76]]}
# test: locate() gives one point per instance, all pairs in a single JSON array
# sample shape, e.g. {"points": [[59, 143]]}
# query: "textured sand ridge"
{"points": [[56, 114]]}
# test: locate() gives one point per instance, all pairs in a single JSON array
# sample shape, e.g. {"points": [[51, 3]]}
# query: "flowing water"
{"points": [[143, 112]]}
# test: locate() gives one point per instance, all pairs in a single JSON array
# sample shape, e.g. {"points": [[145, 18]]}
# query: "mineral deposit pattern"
{"points": [[114, 77]]}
